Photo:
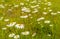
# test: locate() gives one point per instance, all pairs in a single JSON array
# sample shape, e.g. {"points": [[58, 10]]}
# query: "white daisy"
{"points": [[53, 13], [25, 33], [26, 16], [42, 18], [16, 36], [49, 4], [44, 13], [50, 10], [51, 25], [19, 26], [34, 6], [35, 10], [21, 3], [25, 9], [11, 35], [11, 24], [46, 21]]}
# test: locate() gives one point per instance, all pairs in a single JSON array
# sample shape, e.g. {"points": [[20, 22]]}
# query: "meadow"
{"points": [[29, 19]]}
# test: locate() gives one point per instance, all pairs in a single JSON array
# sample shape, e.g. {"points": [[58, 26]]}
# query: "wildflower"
{"points": [[50, 25], [19, 26], [42, 18], [24, 9], [16, 36], [46, 21], [25, 33], [49, 3], [21, 3], [26, 16], [35, 10], [50, 10], [44, 13], [11, 24], [53, 13], [11, 35], [34, 6]]}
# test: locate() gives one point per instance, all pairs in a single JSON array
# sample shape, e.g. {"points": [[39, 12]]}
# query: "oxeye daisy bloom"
{"points": [[49, 4], [26, 16], [11, 24], [11, 35], [35, 10], [19, 26], [45, 13], [25, 9], [47, 21], [51, 25], [42, 18], [16, 37], [21, 3], [53, 13], [25, 33]]}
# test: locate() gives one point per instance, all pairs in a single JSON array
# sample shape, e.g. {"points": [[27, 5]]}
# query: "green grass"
{"points": [[42, 32]]}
